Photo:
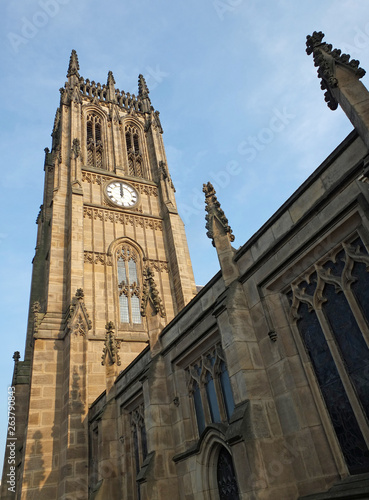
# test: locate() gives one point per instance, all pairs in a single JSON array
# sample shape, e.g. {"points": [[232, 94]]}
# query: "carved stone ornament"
{"points": [[64, 95], [164, 174], [157, 121], [75, 96], [110, 80], [209, 361], [76, 148], [143, 90], [148, 123], [214, 212], [16, 357], [150, 292], [57, 154], [110, 354], [114, 115], [97, 258], [55, 131], [73, 67], [325, 59], [321, 274], [37, 316], [78, 322], [120, 218], [40, 216]]}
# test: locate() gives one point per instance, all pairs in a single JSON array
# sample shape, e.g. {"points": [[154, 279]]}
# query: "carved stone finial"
{"points": [[325, 59], [214, 212], [16, 357], [110, 82], [143, 90], [110, 354], [143, 95], [73, 65], [79, 322], [110, 94], [150, 291]]}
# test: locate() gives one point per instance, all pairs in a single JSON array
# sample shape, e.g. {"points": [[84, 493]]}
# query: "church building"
{"points": [[137, 385]]}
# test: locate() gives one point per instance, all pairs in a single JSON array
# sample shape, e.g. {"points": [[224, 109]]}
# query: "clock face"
{"points": [[121, 194]]}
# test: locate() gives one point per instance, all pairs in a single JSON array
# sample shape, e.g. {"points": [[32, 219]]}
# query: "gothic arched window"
{"points": [[139, 441], [226, 477], [94, 141], [134, 154], [330, 303], [129, 289], [210, 387]]}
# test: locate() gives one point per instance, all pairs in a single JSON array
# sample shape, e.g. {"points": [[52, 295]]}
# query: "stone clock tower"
{"points": [[111, 269]]}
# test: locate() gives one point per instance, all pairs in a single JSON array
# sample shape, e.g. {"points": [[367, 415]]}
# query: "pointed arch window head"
{"points": [[134, 153], [328, 301], [129, 286], [95, 147], [210, 388]]}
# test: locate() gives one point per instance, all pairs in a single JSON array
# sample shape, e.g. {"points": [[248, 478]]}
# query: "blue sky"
{"points": [[239, 101]]}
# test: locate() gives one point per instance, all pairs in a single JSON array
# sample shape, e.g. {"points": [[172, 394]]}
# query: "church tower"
{"points": [[111, 269]]}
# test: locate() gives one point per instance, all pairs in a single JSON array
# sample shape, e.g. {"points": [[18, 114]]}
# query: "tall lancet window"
{"points": [[210, 387], [134, 153], [129, 289], [95, 146], [329, 306]]}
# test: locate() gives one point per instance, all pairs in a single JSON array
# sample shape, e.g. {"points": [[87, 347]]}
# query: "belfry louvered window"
{"points": [[210, 387], [330, 306], [134, 154], [129, 289], [95, 146]]}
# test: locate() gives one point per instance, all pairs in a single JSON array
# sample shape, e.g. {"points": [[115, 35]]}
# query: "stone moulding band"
{"points": [[133, 220]]}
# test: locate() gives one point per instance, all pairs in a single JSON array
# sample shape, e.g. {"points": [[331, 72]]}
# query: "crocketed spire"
{"points": [[143, 90], [214, 212], [73, 67], [325, 59]]}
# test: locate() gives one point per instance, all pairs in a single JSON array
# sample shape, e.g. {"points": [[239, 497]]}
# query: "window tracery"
{"points": [[95, 146], [129, 287], [134, 153], [226, 476], [331, 309], [210, 388]]}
